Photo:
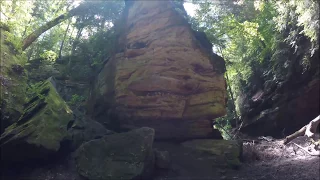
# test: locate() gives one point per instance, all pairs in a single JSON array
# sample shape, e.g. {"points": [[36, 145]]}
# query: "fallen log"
{"points": [[308, 130]]}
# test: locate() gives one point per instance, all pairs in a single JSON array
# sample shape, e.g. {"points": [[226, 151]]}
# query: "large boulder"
{"points": [[164, 76], [224, 152], [41, 128], [119, 156]]}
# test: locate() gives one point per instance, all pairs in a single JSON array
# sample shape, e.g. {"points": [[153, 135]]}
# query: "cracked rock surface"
{"points": [[162, 78]]}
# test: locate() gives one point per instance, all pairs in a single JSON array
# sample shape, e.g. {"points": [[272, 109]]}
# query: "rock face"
{"points": [[164, 76], [280, 105], [40, 129], [119, 156]]}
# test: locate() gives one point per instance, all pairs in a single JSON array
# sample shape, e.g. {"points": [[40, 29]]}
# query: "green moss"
{"points": [[44, 120], [13, 80]]}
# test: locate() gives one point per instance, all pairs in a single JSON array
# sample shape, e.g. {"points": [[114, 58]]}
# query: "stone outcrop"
{"points": [[278, 105], [118, 156], [40, 130], [164, 76]]}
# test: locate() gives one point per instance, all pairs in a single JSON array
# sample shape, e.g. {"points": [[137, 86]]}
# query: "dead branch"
{"points": [[308, 130], [305, 150]]}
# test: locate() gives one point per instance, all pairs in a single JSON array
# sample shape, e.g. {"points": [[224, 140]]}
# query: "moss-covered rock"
{"points": [[224, 152], [119, 156], [41, 128], [12, 80]]}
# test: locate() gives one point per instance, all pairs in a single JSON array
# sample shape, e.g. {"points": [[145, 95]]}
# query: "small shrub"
{"points": [[34, 90], [49, 56], [76, 99]]}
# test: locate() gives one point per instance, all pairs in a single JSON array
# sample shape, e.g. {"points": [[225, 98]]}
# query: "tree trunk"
{"points": [[64, 38], [25, 29], [76, 40], [308, 130], [70, 38], [30, 53], [75, 43], [35, 34], [13, 6]]}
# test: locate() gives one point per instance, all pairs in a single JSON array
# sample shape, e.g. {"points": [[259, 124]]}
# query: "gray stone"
{"points": [[118, 156], [163, 160]]}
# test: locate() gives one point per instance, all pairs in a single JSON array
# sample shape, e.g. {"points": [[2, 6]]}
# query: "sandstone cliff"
{"points": [[163, 76]]}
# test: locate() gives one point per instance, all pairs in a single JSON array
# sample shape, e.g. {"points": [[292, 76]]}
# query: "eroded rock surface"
{"points": [[119, 156], [164, 77]]}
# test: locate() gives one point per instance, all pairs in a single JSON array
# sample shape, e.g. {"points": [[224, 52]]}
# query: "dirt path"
{"points": [[272, 161], [262, 161]]}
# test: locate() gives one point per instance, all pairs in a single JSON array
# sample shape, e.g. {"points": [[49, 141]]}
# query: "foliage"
{"points": [[298, 13], [13, 42], [49, 56], [76, 99], [24, 17], [85, 41], [97, 48], [255, 39], [16, 15], [34, 89]]}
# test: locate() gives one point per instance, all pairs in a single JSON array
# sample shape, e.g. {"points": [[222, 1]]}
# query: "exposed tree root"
{"points": [[317, 153], [308, 130]]}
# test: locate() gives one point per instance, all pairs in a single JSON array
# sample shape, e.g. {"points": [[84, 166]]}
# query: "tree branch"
{"points": [[73, 12]]}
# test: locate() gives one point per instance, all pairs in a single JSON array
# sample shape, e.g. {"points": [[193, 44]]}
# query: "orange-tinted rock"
{"points": [[164, 78]]}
